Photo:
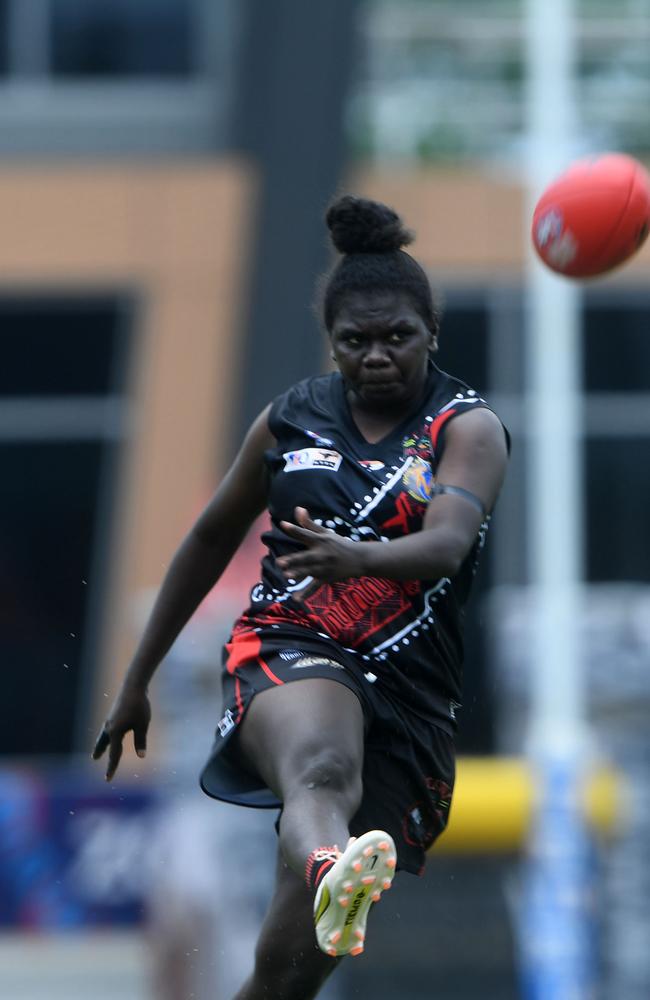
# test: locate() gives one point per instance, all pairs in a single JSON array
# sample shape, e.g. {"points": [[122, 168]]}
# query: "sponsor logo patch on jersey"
{"points": [[371, 464], [318, 439], [311, 458], [316, 661], [290, 654]]}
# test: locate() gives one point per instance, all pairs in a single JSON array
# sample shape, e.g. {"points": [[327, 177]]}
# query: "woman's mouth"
{"points": [[376, 381], [379, 385]]}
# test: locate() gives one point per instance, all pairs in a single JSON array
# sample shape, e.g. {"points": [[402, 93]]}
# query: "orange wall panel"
{"points": [[176, 236]]}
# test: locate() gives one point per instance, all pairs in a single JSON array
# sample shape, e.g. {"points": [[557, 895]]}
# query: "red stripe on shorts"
{"points": [[244, 646], [267, 670], [240, 704]]}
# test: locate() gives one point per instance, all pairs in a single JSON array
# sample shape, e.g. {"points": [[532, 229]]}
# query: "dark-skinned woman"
{"points": [[342, 678]]}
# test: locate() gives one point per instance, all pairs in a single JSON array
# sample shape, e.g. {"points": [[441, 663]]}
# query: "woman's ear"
{"points": [[433, 343]]}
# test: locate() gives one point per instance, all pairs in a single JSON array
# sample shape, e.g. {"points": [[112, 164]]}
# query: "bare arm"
{"points": [[195, 568], [474, 459]]}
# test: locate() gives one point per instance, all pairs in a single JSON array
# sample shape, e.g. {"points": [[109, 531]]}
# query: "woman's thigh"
{"points": [[300, 724]]}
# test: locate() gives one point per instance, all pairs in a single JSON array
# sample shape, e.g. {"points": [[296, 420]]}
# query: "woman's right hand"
{"points": [[131, 711]]}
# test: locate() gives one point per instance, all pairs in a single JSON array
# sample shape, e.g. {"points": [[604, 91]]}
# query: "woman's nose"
{"points": [[376, 353]]}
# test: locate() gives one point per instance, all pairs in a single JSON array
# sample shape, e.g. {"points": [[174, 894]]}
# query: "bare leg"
{"points": [[288, 963], [305, 739]]}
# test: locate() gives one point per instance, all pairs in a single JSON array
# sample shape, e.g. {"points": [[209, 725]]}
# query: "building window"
{"points": [[120, 38], [62, 419], [617, 487], [616, 344], [125, 77], [55, 347]]}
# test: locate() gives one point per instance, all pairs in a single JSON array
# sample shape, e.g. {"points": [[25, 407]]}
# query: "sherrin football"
{"points": [[594, 216]]}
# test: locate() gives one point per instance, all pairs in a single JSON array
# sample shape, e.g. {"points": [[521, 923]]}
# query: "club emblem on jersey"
{"points": [[418, 480], [371, 464], [311, 458]]}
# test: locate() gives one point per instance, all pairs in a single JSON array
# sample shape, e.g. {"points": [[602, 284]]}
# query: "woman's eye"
{"points": [[397, 336]]}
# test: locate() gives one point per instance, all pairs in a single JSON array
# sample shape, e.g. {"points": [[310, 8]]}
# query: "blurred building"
{"points": [[164, 166]]}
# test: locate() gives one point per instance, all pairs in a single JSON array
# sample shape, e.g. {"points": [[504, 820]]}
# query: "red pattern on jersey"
{"points": [[408, 511], [437, 426], [355, 609], [277, 613]]}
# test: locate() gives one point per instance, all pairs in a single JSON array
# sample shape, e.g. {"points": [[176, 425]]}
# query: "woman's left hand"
{"points": [[326, 556]]}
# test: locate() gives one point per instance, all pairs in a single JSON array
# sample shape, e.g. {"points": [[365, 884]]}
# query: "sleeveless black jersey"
{"points": [[406, 635]]}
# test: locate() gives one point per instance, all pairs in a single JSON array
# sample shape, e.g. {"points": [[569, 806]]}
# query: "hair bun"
{"points": [[358, 225]]}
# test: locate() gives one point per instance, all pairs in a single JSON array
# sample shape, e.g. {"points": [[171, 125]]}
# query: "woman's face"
{"points": [[381, 345]]}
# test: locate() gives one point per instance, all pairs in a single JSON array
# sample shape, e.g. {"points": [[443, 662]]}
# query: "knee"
{"points": [[329, 769]]}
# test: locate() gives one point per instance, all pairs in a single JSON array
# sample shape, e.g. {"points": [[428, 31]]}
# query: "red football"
{"points": [[594, 216]]}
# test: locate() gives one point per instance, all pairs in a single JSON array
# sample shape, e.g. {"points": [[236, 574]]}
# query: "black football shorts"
{"points": [[409, 763]]}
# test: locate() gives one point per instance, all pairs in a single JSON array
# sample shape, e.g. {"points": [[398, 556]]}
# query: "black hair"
{"points": [[370, 236]]}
